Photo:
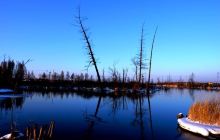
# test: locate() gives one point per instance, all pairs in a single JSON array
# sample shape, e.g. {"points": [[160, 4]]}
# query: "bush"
{"points": [[207, 112]]}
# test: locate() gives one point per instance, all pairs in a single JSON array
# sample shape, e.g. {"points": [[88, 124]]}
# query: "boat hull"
{"points": [[198, 128], [6, 91], [16, 135]]}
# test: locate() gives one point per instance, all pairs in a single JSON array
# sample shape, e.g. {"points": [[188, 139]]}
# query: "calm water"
{"points": [[82, 117]]}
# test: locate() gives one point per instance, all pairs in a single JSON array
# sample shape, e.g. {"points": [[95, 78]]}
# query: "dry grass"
{"points": [[207, 112]]}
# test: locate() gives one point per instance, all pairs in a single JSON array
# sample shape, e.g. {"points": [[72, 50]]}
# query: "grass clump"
{"points": [[206, 112]]}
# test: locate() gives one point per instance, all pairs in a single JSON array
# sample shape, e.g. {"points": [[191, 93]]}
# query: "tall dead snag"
{"points": [[141, 55], [151, 53], [92, 59]]}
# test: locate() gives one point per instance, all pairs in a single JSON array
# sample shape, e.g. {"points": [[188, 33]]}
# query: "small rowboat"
{"points": [[198, 128]]}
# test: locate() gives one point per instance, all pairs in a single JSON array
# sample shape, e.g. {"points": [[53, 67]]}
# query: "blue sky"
{"points": [[44, 30]]}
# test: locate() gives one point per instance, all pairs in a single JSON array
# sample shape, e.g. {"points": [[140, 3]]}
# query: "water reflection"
{"points": [[7, 103], [92, 120], [150, 115], [117, 104], [139, 114], [185, 135], [89, 116], [191, 93]]}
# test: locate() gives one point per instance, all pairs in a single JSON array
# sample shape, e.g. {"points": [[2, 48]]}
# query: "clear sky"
{"points": [[44, 30]]}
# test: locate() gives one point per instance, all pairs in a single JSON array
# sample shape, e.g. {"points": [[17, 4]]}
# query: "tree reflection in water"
{"points": [[118, 104], [7, 103], [150, 114], [139, 113], [92, 119]]}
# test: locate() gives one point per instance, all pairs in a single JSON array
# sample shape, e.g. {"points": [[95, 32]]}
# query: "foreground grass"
{"points": [[207, 112]]}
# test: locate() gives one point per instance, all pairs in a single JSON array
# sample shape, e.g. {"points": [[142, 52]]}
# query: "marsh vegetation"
{"points": [[206, 112]]}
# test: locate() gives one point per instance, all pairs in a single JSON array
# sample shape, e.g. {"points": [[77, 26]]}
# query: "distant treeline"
{"points": [[54, 80], [15, 75], [11, 73]]}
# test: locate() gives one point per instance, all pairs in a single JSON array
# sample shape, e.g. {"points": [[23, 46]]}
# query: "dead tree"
{"points": [[135, 63], [141, 55], [114, 75], [151, 54], [92, 59], [191, 81], [124, 77]]}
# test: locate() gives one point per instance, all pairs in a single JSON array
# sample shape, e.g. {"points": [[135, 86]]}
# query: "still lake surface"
{"points": [[120, 117]]}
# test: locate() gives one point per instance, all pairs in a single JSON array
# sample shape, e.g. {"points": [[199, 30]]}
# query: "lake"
{"points": [[84, 116]]}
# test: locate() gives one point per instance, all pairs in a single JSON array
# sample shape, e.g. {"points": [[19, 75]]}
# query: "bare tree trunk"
{"points": [[151, 53], [89, 47], [141, 55], [136, 73]]}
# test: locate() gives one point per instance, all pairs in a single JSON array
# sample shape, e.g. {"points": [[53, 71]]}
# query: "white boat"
{"points": [[96, 90], [195, 127], [14, 135], [107, 90], [11, 96], [6, 91]]}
